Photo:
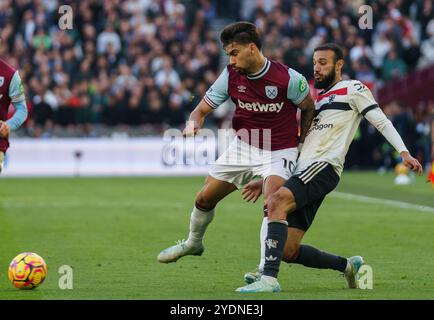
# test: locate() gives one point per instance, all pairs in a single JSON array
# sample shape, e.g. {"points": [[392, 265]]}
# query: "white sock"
{"points": [[348, 268], [263, 237], [199, 220]]}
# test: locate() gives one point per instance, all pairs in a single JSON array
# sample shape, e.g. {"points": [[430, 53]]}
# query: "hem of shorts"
{"points": [[238, 186], [276, 174]]}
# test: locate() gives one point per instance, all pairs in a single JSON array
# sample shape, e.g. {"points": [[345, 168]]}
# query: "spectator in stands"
{"points": [[393, 67], [427, 47]]}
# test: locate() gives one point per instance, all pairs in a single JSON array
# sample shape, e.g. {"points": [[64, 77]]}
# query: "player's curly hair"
{"points": [[242, 32]]}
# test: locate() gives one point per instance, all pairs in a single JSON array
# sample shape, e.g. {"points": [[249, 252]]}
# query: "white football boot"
{"points": [[173, 253], [351, 276]]}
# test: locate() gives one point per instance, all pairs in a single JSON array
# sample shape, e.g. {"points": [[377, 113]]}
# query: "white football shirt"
{"points": [[339, 111]]}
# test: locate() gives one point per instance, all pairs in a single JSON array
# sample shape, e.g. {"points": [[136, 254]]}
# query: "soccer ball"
{"points": [[27, 270], [401, 169]]}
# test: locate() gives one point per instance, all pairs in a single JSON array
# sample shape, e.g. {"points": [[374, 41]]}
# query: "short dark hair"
{"points": [[337, 49], [242, 32]]}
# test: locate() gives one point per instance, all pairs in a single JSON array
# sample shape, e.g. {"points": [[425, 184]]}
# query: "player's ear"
{"points": [[252, 48], [339, 64]]}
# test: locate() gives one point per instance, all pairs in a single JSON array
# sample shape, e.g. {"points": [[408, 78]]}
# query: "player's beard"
{"points": [[326, 82]]}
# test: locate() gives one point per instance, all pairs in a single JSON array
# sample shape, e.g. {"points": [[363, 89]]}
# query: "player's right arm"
{"points": [[196, 119], [215, 96]]}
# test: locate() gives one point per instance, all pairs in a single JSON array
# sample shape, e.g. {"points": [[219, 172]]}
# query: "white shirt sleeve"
{"points": [[218, 92], [363, 101], [298, 87]]}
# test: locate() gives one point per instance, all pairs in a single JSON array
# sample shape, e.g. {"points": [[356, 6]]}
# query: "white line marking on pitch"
{"points": [[393, 203]]}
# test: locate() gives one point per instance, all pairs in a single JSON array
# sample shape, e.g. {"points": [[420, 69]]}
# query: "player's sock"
{"points": [[312, 257], [263, 237], [348, 267], [199, 220], [274, 245]]}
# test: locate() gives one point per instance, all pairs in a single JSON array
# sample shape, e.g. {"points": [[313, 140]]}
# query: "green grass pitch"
{"points": [[110, 231]]}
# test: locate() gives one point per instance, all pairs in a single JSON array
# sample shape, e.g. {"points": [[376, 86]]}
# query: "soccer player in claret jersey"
{"points": [[266, 94], [340, 107], [11, 90]]}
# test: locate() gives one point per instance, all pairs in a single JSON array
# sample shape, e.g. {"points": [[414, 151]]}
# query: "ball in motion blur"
{"points": [[27, 270], [402, 177], [401, 169]]}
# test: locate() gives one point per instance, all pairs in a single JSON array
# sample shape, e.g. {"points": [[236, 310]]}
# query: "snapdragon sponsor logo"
{"points": [[242, 147], [261, 107], [320, 127]]}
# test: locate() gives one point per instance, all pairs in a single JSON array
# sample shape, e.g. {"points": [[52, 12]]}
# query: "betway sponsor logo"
{"points": [[264, 107]]}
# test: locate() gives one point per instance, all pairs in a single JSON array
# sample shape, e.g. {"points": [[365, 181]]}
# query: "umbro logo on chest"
{"points": [[242, 88]]}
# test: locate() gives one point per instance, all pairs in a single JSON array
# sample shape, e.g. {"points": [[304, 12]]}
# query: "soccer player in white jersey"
{"points": [[291, 210], [267, 95]]}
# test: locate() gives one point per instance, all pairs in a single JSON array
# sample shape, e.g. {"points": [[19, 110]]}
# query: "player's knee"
{"points": [[204, 203], [278, 204], [291, 253]]}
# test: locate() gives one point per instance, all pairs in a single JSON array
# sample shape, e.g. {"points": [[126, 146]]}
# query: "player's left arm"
{"points": [[364, 101], [298, 93], [16, 93]]}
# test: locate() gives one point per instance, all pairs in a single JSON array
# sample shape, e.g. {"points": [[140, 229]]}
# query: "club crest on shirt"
{"points": [[2, 80], [332, 98], [271, 91]]}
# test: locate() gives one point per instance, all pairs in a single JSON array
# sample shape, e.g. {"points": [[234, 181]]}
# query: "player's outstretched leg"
{"points": [[350, 273], [203, 213], [312, 257], [199, 221]]}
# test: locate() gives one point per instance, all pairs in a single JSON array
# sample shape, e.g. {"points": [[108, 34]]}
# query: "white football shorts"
{"points": [[242, 162]]}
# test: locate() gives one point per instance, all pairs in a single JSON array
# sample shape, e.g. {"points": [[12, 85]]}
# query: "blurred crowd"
{"points": [[124, 63], [401, 40], [140, 66]]}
